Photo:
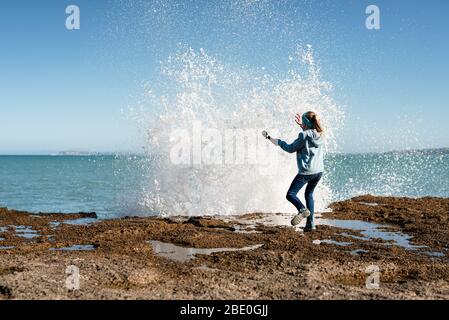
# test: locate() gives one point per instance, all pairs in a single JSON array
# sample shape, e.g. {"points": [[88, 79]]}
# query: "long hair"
{"points": [[316, 123]]}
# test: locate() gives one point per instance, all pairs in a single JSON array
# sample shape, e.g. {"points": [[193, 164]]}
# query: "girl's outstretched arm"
{"points": [[295, 146], [290, 148]]}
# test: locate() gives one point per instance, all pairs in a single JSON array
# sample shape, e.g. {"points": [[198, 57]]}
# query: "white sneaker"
{"points": [[303, 214]]}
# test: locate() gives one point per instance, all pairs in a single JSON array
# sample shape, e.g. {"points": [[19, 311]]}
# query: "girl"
{"points": [[309, 148]]}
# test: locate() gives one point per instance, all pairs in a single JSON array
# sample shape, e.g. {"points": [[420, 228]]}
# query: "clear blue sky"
{"points": [[64, 90]]}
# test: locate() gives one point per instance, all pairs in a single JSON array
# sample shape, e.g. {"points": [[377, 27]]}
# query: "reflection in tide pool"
{"points": [[182, 254]]}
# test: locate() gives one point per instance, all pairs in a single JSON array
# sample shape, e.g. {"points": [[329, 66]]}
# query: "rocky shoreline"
{"points": [[402, 242]]}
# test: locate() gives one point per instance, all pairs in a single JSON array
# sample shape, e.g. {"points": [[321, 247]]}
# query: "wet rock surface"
{"points": [[117, 258]]}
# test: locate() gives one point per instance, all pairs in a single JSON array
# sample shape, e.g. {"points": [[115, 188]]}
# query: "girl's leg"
{"points": [[313, 182], [292, 193]]}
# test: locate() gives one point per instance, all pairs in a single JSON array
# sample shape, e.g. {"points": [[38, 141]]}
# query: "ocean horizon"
{"points": [[133, 153]]}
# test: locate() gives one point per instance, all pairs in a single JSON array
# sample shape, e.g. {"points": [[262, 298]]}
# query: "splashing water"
{"points": [[205, 154]]}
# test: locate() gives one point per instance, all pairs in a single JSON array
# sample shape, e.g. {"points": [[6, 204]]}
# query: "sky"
{"points": [[66, 89]]}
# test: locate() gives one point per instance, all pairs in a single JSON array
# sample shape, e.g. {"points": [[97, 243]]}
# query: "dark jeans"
{"points": [[297, 184]]}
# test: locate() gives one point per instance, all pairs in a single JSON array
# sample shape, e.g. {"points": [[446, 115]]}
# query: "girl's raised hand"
{"points": [[298, 119]]}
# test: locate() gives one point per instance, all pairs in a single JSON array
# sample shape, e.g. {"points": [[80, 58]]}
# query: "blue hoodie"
{"points": [[309, 148]]}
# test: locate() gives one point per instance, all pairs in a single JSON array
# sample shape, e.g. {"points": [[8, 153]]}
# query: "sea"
{"points": [[122, 185]]}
